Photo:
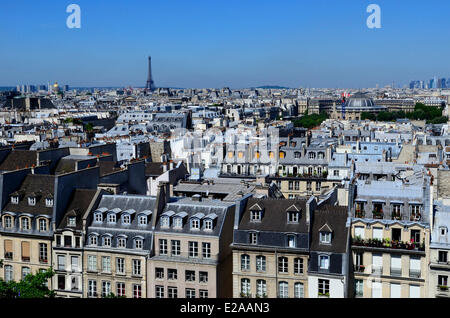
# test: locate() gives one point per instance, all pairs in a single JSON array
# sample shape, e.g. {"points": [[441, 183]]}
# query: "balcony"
{"points": [[396, 216], [386, 243], [443, 291]]}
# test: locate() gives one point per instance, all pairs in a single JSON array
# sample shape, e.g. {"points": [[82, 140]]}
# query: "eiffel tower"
{"points": [[150, 84]]}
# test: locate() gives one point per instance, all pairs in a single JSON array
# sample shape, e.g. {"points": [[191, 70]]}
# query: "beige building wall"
{"points": [[271, 275]]}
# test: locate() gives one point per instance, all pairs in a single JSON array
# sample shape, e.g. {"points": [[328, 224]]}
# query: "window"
{"points": [[193, 249], [120, 265], [162, 246], [296, 185], [208, 225], [396, 234], [7, 222], [443, 231], [293, 217], [67, 241], [25, 271], [190, 293], [107, 241], [336, 173], [176, 248], [359, 231], [442, 281], [245, 262], [159, 291], [106, 264], [93, 240], [137, 291], [308, 186], [260, 263], [261, 288], [43, 253], [377, 263], [414, 267], [324, 261], [377, 233], [396, 291], [283, 290], [8, 245], [165, 221], [25, 251], [137, 267], [245, 287], [195, 224], [291, 241], [203, 293], [414, 291], [206, 250], [106, 288], [92, 263], [15, 199], [177, 223], [48, 202], [8, 273], [415, 236], [396, 265], [120, 288], [25, 222], [282, 265], [142, 220], [31, 201], [138, 243], [255, 216], [359, 288], [291, 185], [111, 218], [318, 185], [442, 258], [92, 288], [72, 221], [324, 287], [61, 282], [298, 266], [325, 237], [203, 277], [299, 290], [172, 292], [253, 238], [172, 274], [126, 219], [121, 242], [190, 276], [61, 262], [98, 217], [159, 273], [42, 225]]}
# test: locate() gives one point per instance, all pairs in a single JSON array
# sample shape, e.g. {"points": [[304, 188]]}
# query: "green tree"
{"points": [[31, 286], [89, 127]]}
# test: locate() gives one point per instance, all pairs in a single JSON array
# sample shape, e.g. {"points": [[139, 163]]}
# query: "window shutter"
{"points": [[8, 246], [396, 262], [414, 264], [359, 231], [377, 260], [414, 291], [396, 291], [377, 233], [26, 249]]}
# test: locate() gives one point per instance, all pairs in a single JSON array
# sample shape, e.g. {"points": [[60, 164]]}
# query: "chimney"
{"points": [[164, 167], [171, 165]]}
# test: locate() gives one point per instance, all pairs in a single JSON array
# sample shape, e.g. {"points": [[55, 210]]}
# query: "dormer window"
{"points": [[177, 223], [255, 216], [142, 220], [195, 224], [121, 242], [111, 218], [325, 237], [291, 241], [71, 221], [98, 217], [15, 199], [324, 261], [32, 201], [138, 244], [42, 225], [253, 238], [107, 241], [93, 240], [165, 221], [293, 217], [443, 231], [7, 222], [25, 223], [208, 225], [126, 219], [48, 202]]}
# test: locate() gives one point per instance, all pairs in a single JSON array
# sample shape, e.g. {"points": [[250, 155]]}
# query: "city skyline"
{"points": [[223, 44]]}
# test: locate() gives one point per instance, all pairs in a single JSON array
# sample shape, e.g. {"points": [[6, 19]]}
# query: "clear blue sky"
{"points": [[216, 43]]}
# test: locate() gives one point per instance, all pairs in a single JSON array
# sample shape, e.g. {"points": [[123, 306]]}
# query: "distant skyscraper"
{"points": [[150, 83]]}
